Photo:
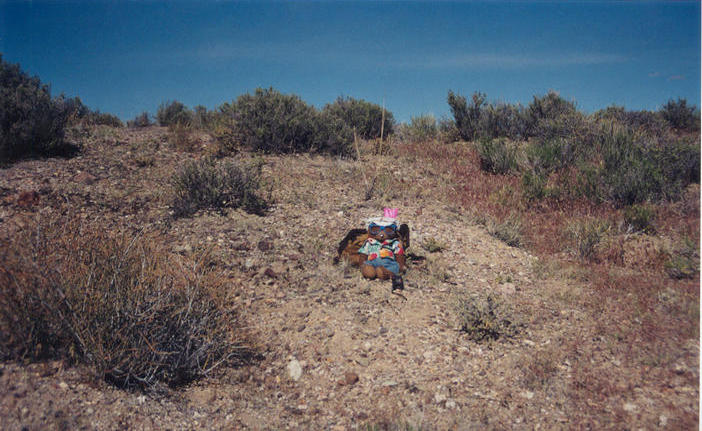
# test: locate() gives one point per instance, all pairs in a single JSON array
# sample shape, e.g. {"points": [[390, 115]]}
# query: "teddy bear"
{"points": [[378, 250]]}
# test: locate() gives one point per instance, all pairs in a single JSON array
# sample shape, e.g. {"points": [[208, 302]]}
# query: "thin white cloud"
{"points": [[676, 77], [510, 61]]}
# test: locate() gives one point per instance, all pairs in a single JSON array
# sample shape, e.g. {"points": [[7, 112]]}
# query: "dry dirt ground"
{"points": [[367, 358]]}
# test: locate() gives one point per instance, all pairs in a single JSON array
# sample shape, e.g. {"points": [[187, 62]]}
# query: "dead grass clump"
{"points": [[484, 317], [118, 303], [684, 261], [540, 367], [181, 137], [206, 184], [586, 235], [509, 231]]}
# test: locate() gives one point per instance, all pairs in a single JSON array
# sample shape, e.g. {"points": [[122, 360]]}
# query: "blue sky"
{"points": [[128, 57]]}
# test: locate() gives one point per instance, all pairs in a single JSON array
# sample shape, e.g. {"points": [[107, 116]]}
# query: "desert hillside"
{"points": [[485, 335]]}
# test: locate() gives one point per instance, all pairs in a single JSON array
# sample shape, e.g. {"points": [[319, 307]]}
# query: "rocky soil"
{"points": [[337, 351]]}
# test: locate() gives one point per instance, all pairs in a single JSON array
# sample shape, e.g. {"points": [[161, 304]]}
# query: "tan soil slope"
{"points": [[365, 356]]}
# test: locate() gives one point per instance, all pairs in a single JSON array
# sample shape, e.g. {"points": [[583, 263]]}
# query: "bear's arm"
{"points": [[357, 258], [401, 261]]}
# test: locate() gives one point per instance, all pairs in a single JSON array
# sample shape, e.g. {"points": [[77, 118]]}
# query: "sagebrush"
{"points": [[120, 303], [208, 184]]}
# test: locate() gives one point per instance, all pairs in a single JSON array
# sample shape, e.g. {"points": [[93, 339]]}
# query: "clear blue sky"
{"points": [[127, 57]]}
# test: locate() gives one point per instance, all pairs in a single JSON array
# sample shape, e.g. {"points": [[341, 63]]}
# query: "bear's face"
{"points": [[382, 233]]}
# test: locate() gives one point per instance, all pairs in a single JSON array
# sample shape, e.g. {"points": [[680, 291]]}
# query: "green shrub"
{"points": [[141, 120], [503, 120], [173, 112], [123, 305], [548, 156], [31, 122], [97, 118], [333, 135], [205, 184], [448, 132], [365, 117], [534, 185], [497, 156], [420, 129], [202, 118], [680, 116], [467, 118], [484, 317], [272, 122], [640, 218], [684, 260], [628, 172], [648, 122]]}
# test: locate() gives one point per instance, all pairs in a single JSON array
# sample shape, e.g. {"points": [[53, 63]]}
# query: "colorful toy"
{"points": [[379, 250]]}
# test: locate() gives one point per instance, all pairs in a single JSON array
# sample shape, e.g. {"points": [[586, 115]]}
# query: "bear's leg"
{"points": [[368, 271], [383, 273]]}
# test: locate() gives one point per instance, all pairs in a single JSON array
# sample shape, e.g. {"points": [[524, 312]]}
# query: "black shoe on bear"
{"points": [[397, 283]]}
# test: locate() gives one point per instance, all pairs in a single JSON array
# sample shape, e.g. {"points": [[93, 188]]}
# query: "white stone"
{"points": [[294, 369], [630, 407]]}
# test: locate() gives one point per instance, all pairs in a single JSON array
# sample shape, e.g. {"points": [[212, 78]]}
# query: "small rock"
{"points": [[202, 397], [439, 398], [662, 420], [450, 404], [85, 178], [507, 289], [270, 273], [367, 345], [364, 362], [629, 407], [528, 395], [63, 385], [28, 199], [264, 245], [249, 263], [301, 328], [294, 369], [350, 378], [389, 383], [383, 330], [185, 248]]}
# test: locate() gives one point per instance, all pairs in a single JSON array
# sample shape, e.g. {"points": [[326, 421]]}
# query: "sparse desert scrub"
{"points": [[497, 156], [508, 230], [585, 236], [120, 303], [141, 120], [484, 317], [173, 112], [181, 137], [423, 128], [208, 184]]}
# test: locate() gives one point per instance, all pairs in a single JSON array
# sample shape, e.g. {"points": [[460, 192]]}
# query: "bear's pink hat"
{"points": [[389, 217]]}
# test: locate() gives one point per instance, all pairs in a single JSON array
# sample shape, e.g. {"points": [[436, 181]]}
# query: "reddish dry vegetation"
{"points": [[635, 301]]}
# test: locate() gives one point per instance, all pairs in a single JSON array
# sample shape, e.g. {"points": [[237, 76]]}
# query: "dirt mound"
{"points": [[338, 351]]}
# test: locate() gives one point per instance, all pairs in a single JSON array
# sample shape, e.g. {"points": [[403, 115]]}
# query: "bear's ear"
{"points": [[404, 235], [351, 243]]}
